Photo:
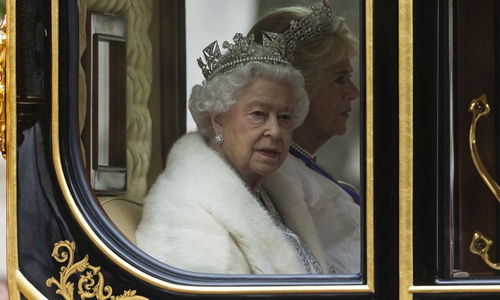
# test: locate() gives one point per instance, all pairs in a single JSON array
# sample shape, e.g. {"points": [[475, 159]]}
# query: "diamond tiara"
{"points": [[275, 51], [319, 20]]}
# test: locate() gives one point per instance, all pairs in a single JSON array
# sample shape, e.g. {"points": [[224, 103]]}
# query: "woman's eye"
{"points": [[258, 113], [340, 80], [286, 117]]}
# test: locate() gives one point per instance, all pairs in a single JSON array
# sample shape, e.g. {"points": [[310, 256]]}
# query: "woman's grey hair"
{"points": [[219, 94], [314, 55]]}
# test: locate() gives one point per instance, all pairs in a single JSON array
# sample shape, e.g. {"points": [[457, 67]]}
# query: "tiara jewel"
{"points": [[319, 20], [275, 52], [275, 45], [212, 55]]}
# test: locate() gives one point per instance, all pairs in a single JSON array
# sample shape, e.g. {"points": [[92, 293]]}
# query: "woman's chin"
{"points": [[267, 170]]}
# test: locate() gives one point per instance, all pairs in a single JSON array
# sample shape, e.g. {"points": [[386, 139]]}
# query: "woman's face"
{"points": [[258, 129], [331, 103]]}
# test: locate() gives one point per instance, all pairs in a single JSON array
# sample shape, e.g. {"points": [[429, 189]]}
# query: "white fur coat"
{"points": [[323, 205], [199, 216]]}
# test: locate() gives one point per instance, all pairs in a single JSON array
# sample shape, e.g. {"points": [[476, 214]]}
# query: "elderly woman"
{"points": [[207, 212], [323, 54]]}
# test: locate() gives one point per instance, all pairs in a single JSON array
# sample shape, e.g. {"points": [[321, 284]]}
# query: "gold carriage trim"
{"points": [[91, 282], [3, 96]]}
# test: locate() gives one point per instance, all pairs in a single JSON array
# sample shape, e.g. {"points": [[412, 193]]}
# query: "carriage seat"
{"points": [[124, 213]]}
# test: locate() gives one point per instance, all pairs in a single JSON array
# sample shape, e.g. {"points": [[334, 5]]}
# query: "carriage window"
{"points": [[466, 114], [134, 116], [477, 202]]}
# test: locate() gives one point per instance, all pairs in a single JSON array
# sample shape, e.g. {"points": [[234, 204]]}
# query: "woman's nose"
{"points": [[353, 91], [273, 129]]}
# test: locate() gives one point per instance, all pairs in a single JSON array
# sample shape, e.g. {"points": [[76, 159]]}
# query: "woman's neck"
{"points": [[252, 182], [308, 140]]}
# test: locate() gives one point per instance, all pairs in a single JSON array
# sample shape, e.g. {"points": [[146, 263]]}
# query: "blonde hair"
{"points": [[311, 56]]}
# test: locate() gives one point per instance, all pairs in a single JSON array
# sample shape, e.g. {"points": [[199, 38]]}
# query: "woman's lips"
{"points": [[345, 113], [270, 153]]}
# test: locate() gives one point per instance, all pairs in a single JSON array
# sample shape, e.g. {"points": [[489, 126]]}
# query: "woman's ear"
{"points": [[216, 122]]}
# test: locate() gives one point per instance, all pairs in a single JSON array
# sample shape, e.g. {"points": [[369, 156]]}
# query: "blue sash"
{"points": [[314, 166]]}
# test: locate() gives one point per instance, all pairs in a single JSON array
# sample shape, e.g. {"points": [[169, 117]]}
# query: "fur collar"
{"points": [[196, 202]]}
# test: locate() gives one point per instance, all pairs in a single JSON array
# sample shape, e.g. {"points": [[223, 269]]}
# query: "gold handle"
{"points": [[479, 107], [3, 63], [480, 245]]}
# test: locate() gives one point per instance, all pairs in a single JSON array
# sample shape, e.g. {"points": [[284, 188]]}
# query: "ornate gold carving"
{"points": [[3, 50], [480, 245], [91, 282], [479, 107]]}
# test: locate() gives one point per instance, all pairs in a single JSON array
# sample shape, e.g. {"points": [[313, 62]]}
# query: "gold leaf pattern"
{"points": [[91, 282]]}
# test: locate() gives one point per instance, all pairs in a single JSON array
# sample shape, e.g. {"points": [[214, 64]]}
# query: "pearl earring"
{"points": [[218, 138]]}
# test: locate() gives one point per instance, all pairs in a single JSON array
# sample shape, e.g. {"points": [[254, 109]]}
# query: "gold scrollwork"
{"points": [[91, 282], [3, 65], [480, 245]]}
